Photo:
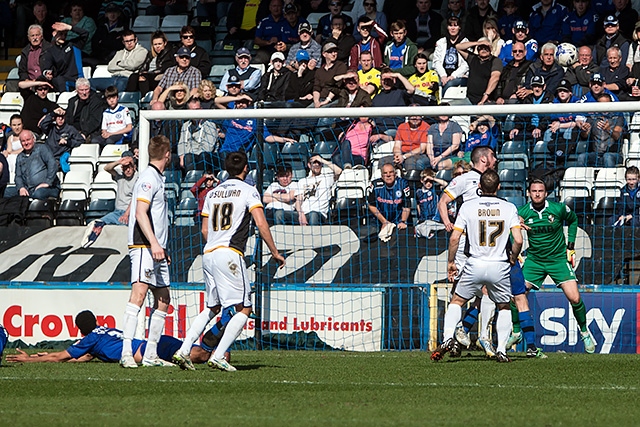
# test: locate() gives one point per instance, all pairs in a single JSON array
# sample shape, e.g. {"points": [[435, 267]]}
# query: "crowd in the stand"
{"points": [[364, 53]]}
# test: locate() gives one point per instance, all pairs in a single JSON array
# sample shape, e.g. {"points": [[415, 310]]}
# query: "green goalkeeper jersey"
{"points": [[546, 237]]}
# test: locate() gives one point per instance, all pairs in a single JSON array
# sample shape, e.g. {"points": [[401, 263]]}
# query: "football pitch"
{"points": [[283, 388]]}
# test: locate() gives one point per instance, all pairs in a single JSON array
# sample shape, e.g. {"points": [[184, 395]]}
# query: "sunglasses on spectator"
{"points": [[42, 88], [518, 51], [350, 81], [187, 36]]}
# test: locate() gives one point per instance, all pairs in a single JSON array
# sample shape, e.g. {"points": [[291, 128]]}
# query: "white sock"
{"points": [[451, 319], [487, 310], [156, 326], [129, 327], [503, 326], [231, 332], [197, 328]]}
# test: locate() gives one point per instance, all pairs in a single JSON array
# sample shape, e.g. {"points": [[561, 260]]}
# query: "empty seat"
{"points": [[348, 211], [515, 151], [71, 213], [513, 179], [103, 186], [86, 154], [541, 157], [605, 209], [41, 213], [146, 24], [76, 185], [608, 183], [325, 149], [381, 150], [11, 101], [112, 152], [99, 208], [101, 71], [583, 208], [190, 179], [186, 212], [577, 182]]}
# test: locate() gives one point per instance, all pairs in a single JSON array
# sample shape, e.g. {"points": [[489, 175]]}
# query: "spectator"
{"points": [[423, 26], [368, 76], [108, 37], [13, 147], [545, 21], [59, 64], [167, 7], [36, 169], [547, 67], [611, 38], [604, 132], [125, 62], [633, 59], [483, 132], [596, 88], [425, 82], [507, 18], [341, 38], [123, 172], [290, 27], [234, 89], [511, 85], [85, 109], [128, 7], [39, 15], [491, 32], [242, 19], [561, 135], [199, 57], [534, 125], [299, 91], [275, 81], [427, 205], [447, 61], [313, 193], [158, 60], [198, 140], [520, 34], [484, 70], [400, 52], [453, 9], [473, 27], [410, 147], [80, 20], [31, 56], [201, 188], [443, 142], [175, 97], [627, 16], [37, 104], [248, 75], [369, 10], [269, 33], [615, 75], [581, 24], [182, 72], [355, 143], [368, 44], [579, 74], [392, 95], [207, 94], [315, 6], [61, 137], [280, 198], [116, 120], [325, 88], [351, 94], [390, 199], [306, 43], [628, 204], [325, 25]]}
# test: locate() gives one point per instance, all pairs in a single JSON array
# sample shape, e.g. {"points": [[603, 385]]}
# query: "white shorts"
{"points": [[461, 257], [225, 270], [494, 274], [144, 269]]}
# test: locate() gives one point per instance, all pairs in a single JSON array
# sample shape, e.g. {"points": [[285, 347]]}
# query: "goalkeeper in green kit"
{"points": [[549, 254]]}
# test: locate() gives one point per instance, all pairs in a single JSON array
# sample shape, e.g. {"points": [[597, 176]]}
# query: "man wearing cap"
{"points": [[274, 82], [308, 44], [530, 127], [300, 87], [124, 63], [581, 24], [248, 75], [627, 17], [545, 21], [368, 44], [561, 134], [325, 25], [596, 88], [612, 37], [484, 70], [511, 87], [36, 102], [291, 25], [61, 137], [182, 71], [269, 33], [59, 64], [580, 73], [199, 56], [520, 34], [233, 88], [547, 67], [325, 88]]}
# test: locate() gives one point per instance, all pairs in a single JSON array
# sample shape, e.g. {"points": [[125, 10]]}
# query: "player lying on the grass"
{"points": [[105, 344], [486, 221]]}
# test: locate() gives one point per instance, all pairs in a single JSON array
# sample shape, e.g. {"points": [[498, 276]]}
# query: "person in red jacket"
{"points": [[368, 43]]}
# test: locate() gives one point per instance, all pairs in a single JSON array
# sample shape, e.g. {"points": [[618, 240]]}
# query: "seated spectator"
{"points": [[352, 95], [182, 72], [511, 85], [370, 11], [279, 198], [207, 94], [31, 56], [579, 74], [392, 95], [61, 137], [299, 91], [13, 147], [628, 204], [611, 37], [342, 38], [158, 60], [400, 52], [198, 139], [491, 32], [123, 171], [275, 81], [483, 132], [561, 135], [545, 21], [80, 20], [36, 104], [520, 35], [581, 24], [476, 16], [313, 193], [596, 88], [530, 127], [242, 19], [368, 43], [38, 15], [116, 120], [291, 25], [199, 57], [269, 33], [604, 132], [633, 59], [325, 88], [59, 64], [355, 143], [507, 18], [627, 15], [201, 188], [423, 26], [128, 7], [427, 205], [248, 75], [615, 75], [175, 97], [108, 37], [234, 89], [167, 7], [85, 109], [306, 43], [326, 24], [390, 199], [125, 62], [410, 147], [368, 76], [452, 9], [484, 70], [547, 67], [443, 142], [447, 61], [36, 169], [425, 82]]}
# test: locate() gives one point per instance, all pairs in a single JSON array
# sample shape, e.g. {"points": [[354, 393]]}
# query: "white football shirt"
{"points": [[149, 189], [465, 185]]}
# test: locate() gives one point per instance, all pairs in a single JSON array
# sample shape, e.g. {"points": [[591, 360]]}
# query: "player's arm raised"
{"points": [[142, 219], [263, 227]]}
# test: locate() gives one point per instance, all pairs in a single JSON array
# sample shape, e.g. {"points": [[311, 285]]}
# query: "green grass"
{"points": [[282, 388]]}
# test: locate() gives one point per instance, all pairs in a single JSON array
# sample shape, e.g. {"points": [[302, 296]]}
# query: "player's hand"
{"points": [[571, 257], [20, 357], [452, 271], [157, 252]]}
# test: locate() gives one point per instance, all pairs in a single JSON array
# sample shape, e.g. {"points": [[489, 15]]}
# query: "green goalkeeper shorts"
{"points": [[535, 272]]}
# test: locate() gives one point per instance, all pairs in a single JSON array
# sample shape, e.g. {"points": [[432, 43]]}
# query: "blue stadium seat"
{"points": [[515, 151], [325, 149], [99, 208], [191, 178]]}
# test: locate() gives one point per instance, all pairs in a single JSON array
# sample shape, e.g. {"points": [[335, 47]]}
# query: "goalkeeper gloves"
{"points": [[571, 254]]}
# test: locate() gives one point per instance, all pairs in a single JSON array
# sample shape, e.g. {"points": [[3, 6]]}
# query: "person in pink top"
{"points": [[355, 143]]}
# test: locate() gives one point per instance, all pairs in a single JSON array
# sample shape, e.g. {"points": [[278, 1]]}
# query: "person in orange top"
{"points": [[410, 148]]}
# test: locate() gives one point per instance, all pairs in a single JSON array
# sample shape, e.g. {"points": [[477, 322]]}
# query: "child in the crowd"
{"points": [[206, 183], [482, 132], [280, 198], [427, 204], [629, 201], [116, 120]]}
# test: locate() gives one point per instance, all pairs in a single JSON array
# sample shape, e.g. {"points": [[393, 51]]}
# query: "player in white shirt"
{"points": [[227, 214], [148, 232], [486, 221]]}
